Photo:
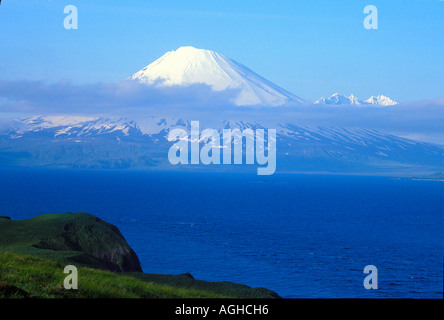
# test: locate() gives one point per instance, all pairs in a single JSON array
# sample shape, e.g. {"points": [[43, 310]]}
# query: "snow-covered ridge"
{"points": [[338, 99], [78, 126], [188, 65], [70, 125]]}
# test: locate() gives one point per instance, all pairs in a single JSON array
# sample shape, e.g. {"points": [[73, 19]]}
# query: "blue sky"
{"points": [[311, 48]]}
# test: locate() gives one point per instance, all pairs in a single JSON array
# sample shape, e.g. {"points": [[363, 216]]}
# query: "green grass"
{"points": [[223, 288], [25, 276]]}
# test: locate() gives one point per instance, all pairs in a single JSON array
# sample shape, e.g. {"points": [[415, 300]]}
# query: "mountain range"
{"points": [[338, 99], [97, 142], [140, 140]]}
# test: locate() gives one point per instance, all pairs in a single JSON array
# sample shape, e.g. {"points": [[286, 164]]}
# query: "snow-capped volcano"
{"points": [[188, 65], [339, 99]]}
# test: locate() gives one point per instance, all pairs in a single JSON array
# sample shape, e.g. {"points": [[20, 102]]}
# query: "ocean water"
{"points": [[303, 236]]}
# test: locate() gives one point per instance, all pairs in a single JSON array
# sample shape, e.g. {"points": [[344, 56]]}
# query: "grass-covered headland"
{"points": [[34, 252]]}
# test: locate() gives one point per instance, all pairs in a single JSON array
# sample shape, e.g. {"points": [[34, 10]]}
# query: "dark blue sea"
{"points": [[303, 236]]}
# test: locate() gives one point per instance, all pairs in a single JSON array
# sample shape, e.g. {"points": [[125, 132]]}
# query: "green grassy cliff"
{"points": [[33, 254], [76, 238]]}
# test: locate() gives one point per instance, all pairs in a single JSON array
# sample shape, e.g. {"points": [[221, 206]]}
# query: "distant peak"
{"points": [[381, 100], [188, 65], [339, 99]]}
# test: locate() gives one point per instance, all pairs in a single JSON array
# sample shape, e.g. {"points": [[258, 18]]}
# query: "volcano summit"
{"points": [[188, 66]]}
